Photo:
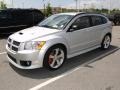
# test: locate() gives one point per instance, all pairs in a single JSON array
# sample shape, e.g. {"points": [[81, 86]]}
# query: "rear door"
{"points": [[98, 25]]}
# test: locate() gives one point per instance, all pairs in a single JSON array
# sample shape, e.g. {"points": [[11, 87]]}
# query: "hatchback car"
{"points": [[57, 38], [13, 20]]}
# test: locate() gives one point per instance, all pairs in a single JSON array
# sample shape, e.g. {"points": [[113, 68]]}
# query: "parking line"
{"points": [[54, 79], [69, 72], [2, 53]]}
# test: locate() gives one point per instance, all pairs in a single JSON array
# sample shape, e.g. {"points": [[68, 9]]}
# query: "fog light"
{"points": [[28, 63], [25, 63]]}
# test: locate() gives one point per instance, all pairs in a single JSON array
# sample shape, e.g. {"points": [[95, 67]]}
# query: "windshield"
{"points": [[56, 21]]}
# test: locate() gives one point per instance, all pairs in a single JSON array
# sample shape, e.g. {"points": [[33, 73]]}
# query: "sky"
{"points": [[110, 4]]}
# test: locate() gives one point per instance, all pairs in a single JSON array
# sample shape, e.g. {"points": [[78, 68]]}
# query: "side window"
{"points": [[20, 15], [37, 16], [17, 15], [104, 20], [81, 23], [4, 15], [98, 20]]}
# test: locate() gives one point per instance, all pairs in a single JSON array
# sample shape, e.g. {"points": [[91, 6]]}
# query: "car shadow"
{"points": [[82, 60]]}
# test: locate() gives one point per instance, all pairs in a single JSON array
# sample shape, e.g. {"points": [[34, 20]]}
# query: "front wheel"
{"points": [[54, 58], [106, 42]]}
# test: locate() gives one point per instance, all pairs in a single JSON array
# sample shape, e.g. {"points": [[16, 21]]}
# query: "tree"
{"points": [[48, 10], [2, 5]]}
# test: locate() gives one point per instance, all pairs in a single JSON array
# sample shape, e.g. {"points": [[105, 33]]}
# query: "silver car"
{"points": [[57, 38]]}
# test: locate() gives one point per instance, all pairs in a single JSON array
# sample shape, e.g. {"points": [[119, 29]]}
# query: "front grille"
{"points": [[16, 43], [13, 59], [13, 45], [14, 48]]}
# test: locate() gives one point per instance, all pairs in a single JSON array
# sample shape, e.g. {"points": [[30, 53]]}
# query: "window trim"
{"points": [[67, 27]]}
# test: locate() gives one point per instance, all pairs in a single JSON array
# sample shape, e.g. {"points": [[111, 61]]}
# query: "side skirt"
{"points": [[83, 51]]}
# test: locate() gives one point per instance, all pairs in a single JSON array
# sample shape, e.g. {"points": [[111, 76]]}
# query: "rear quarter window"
{"points": [[104, 20], [98, 20]]}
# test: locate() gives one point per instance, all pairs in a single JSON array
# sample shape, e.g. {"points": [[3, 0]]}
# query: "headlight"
{"points": [[34, 45]]}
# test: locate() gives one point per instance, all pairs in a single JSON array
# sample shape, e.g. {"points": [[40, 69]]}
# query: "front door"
{"points": [[80, 34]]}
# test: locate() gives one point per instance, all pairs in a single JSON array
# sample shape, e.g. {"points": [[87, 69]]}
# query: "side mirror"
{"points": [[73, 28]]}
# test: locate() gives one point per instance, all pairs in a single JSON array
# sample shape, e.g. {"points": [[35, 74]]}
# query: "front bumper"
{"points": [[26, 56]]}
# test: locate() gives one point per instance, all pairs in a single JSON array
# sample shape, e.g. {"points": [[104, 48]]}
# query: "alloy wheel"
{"points": [[56, 58]]}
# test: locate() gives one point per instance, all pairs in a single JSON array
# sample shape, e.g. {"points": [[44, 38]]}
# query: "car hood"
{"points": [[32, 33]]}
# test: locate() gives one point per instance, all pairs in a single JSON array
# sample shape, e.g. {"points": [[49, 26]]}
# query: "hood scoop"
{"points": [[20, 33]]}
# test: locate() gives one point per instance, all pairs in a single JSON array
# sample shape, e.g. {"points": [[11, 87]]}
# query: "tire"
{"points": [[106, 42], [54, 58]]}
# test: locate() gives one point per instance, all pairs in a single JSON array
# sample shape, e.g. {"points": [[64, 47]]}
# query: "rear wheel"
{"points": [[106, 42], [54, 58]]}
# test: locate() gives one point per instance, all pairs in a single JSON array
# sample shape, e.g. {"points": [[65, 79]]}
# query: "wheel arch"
{"points": [[109, 35], [55, 45], [61, 45]]}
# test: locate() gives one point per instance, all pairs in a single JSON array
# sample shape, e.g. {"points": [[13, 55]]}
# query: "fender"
{"points": [[53, 40]]}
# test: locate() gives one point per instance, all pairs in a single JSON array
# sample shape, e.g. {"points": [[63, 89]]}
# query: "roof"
{"points": [[71, 13], [19, 9]]}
